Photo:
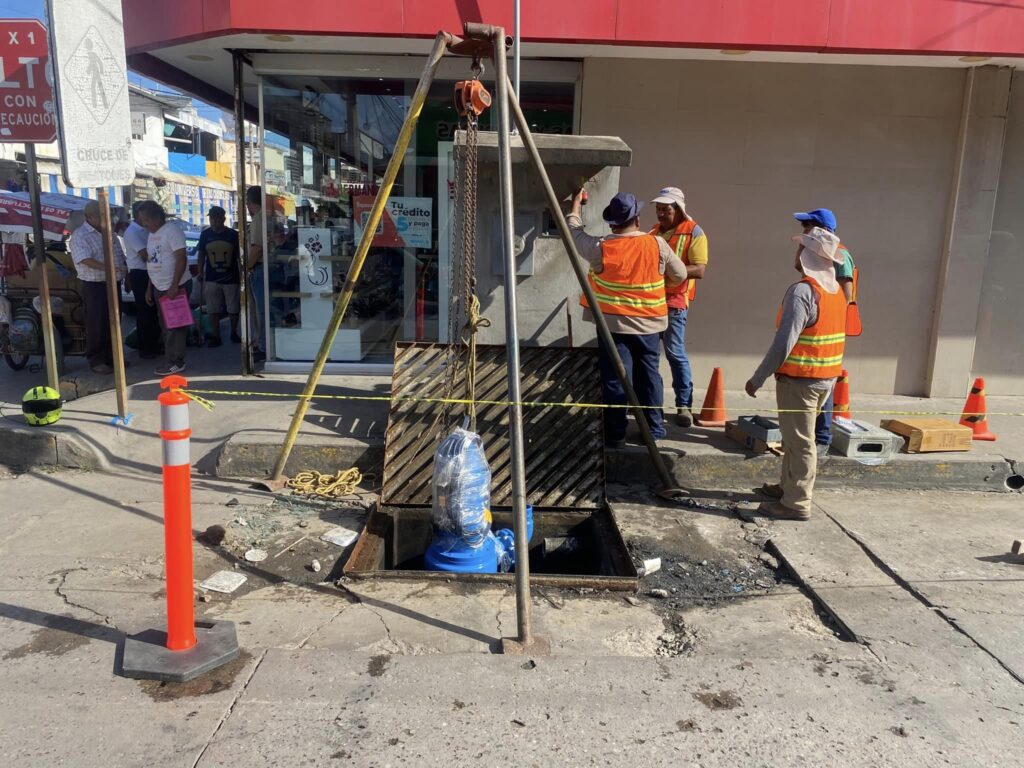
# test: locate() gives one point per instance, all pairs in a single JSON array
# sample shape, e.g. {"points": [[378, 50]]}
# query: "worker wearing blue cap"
{"points": [[629, 270], [846, 274]]}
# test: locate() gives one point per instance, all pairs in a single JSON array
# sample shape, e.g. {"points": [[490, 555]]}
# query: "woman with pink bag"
{"points": [[169, 282]]}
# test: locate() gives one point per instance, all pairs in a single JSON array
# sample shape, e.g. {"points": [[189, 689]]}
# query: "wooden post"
{"points": [[50, 350], [113, 306]]}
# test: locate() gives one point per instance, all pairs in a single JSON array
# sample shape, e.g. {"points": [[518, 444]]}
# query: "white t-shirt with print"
{"points": [[135, 239], [161, 247]]}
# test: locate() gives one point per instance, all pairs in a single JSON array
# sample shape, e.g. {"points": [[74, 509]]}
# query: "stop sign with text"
{"points": [[27, 111]]}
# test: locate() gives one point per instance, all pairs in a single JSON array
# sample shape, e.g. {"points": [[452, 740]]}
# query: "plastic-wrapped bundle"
{"points": [[462, 490]]}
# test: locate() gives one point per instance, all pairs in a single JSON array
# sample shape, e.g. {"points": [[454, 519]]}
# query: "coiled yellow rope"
{"points": [[313, 483]]}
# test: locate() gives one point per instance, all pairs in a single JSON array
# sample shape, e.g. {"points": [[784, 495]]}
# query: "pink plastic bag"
{"points": [[176, 312]]}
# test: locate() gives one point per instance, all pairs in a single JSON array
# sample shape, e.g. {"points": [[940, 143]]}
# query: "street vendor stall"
{"points": [[21, 322]]}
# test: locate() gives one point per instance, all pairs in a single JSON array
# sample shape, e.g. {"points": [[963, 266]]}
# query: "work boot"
{"points": [[684, 417], [822, 449], [779, 511], [771, 490], [615, 443], [214, 341]]}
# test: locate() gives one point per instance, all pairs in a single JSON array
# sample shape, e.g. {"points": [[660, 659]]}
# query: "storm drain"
{"points": [[576, 539]]}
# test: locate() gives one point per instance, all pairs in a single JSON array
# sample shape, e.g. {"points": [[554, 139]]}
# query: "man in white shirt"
{"points": [[168, 276], [90, 263], [147, 324]]}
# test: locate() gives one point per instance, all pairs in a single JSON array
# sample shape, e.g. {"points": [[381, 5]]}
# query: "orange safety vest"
{"points": [[818, 353], [630, 283], [680, 296]]}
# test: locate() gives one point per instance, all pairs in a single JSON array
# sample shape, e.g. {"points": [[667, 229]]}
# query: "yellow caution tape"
{"points": [[527, 403]]}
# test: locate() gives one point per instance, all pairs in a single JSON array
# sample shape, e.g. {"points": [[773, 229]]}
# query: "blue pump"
{"points": [[454, 554]]}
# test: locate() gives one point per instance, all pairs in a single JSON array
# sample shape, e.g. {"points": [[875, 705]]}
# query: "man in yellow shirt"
{"points": [[690, 244]]}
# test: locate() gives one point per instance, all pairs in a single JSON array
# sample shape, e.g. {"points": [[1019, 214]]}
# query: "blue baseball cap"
{"points": [[621, 209], [823, 217]]}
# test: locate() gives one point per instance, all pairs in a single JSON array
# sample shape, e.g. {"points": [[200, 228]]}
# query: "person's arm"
{"points": [[797, 310], [120, 262], [698, 255], [149, 293], [78, 247], [588, 246], [201, 255], [672, 267], [844, 274], [180, 265]]}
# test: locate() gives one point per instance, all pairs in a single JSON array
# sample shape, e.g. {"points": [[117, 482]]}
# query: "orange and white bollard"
{"points": [[188, 648], [174, 437]]}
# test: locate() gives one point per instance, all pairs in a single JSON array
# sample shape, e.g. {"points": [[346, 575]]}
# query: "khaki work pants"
{"points": [[799, 403]]}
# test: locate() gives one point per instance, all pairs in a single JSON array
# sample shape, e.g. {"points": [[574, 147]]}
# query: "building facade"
{"points": [[907, 119]]}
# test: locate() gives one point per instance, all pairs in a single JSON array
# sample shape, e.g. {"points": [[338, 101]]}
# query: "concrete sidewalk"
{"points": [[241, 437], [377, 673]]}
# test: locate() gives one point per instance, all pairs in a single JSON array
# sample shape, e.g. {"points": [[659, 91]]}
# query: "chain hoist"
{"points": [[464, 320]]}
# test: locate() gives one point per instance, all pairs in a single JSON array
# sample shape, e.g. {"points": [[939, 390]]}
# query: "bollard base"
{"points": [[146, 656], [538, 646]]}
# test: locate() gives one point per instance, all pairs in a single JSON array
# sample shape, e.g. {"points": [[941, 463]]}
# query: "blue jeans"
{"points": [[641, 356], [823, 424], [675, 350]]}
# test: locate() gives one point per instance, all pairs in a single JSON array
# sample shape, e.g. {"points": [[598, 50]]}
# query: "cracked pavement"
{"points": [[899, 648]]}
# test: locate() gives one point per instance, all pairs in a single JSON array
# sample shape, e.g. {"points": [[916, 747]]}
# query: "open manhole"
{"points": [[576, 541], [568, 549]]}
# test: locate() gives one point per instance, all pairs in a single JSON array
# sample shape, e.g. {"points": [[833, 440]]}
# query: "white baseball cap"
{"points": [[670, 196]]}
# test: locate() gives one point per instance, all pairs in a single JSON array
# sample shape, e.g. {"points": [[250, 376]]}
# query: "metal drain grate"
{"points": [[563, 447]]}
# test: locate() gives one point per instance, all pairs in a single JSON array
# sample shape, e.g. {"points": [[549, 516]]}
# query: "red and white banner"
{"points": [[16, 213]]}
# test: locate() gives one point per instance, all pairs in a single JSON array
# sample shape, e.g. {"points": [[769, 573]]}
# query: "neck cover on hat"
{"points": [[819, 256]]}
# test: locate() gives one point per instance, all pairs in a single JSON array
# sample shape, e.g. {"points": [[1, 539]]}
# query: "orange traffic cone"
{"points": [[713, 412], [841, 397], [975, 414]]}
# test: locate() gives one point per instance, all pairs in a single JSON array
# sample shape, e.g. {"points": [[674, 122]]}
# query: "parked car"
{"points": [[191, 251]]}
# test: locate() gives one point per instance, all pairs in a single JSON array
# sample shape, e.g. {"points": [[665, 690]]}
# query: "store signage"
{"points": [[406, 222], [27, 112], [87, 49]]}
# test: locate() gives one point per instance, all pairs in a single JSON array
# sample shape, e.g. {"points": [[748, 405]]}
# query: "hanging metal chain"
{"points": [[464, 307]]}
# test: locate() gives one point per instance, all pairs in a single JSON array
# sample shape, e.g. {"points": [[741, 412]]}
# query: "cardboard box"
{"points": [[926, 435]]}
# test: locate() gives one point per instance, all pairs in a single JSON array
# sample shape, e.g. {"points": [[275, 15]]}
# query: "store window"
{"points": [[327, 143]]}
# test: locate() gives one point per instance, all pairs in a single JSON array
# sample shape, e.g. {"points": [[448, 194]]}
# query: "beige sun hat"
{"points": [[819, 256]]}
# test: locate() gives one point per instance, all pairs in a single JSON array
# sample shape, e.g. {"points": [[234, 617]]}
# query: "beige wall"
{"points": [[750, 143], [999, 351]]}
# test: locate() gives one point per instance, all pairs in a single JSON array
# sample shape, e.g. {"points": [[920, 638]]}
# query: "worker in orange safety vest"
{"points": [[629, 270], [806, 356], [690, 244]]}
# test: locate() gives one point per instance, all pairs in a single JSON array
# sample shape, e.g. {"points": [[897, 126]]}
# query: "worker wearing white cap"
{"points": [[690, 244]]}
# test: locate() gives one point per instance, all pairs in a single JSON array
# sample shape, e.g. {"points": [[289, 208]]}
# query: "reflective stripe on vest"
{"points": [[630, 283], [818, 352], [680, 241]]}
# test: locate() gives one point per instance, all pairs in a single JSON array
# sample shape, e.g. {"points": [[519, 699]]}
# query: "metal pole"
{"points": [[243, 240], [52, 374], [603, 331], [516, 32], [369, 229], [113, 305], [515, 411]]}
